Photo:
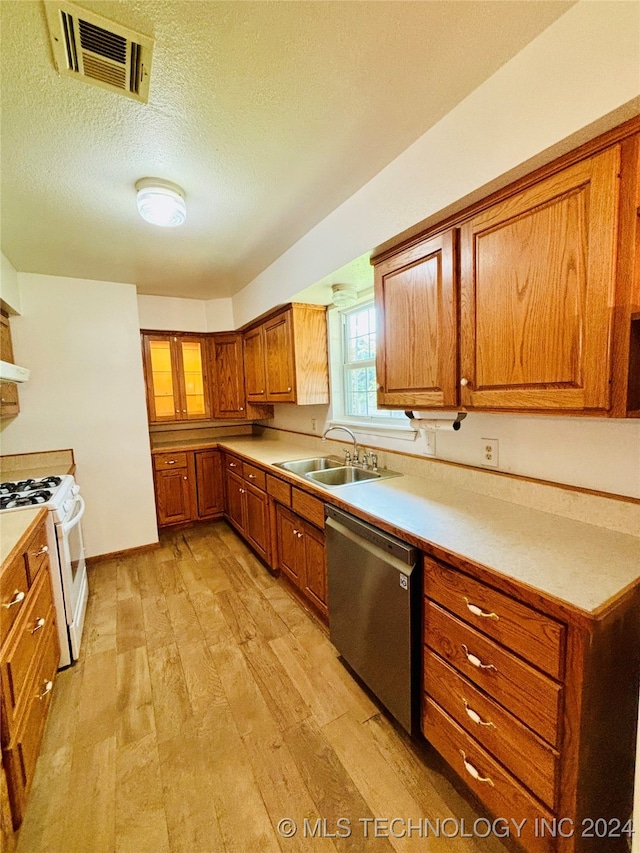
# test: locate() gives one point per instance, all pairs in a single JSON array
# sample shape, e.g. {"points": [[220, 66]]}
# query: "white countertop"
{"points": [[577, 563]]}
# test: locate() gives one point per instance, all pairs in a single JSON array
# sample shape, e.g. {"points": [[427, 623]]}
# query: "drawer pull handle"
{"points": [[471, 770], [18, 596], [252, 476], [475, 661], [473, 608], [43, 550], [295, 532], [37, 625], [171, 461], [475, 716], [300, 535], [232, 465], [48, 687]]}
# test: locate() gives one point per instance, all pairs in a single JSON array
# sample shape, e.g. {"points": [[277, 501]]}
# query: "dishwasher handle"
{"points": [[392, 561]]}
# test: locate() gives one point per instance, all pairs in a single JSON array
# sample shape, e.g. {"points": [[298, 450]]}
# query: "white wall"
{"points": [[81, 341], [173, 314], [9, 291], [581, 68]]}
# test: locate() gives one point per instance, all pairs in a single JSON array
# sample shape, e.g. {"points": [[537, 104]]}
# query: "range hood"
{"points": [[12, 373]]}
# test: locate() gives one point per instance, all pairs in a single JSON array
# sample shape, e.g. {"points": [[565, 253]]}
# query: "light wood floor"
{"points": [[206, 707]]}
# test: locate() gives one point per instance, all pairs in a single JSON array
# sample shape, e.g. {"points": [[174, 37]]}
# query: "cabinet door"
{"points": [[235, 500], [9, 404], [173, 496], [537, 280], [288, 527], [257, 519], [416, 357], [192, 378], [228, 377], [278, 339], [255, 382], [209, 483], [315, 568], [160, 370]]}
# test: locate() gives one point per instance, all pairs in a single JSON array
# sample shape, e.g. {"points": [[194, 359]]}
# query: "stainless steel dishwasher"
{"points": [[374, 610]]}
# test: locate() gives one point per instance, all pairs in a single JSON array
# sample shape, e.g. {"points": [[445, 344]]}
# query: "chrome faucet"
{"points": [[353, 438]]}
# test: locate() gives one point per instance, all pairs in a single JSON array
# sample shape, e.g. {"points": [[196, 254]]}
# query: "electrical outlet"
{"points": [[489, 457]]}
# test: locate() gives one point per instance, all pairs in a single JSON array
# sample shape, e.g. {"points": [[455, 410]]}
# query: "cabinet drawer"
{"points": [[13, 594], [255, 476], [278, 489], [535, 637], [496, 788], [523, 753], [308, 507], [37, 552], [22, 753], [528, 694], [24, 645], [232, 463], [164, 461]]}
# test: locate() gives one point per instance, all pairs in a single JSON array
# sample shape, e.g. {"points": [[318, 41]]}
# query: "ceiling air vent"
{"points": [[91, 48]]}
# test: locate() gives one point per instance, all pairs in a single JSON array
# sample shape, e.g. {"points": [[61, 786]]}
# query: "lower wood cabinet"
{"points": [[534, 706], [29, 658], [247, 503], [301, 556], [188, 486]]}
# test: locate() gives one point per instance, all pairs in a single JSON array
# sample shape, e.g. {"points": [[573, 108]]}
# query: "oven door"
{"points": [[73, 571]]}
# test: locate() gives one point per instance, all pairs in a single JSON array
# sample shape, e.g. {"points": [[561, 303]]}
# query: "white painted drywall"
{"points": [[584, 66], [81, 340], [9, 291], [174, 314]]}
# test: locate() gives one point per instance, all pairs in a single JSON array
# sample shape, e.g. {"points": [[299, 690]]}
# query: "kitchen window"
{"points": [[354, 383]]}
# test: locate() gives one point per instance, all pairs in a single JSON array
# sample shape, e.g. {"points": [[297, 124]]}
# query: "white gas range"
{"points": [[61, 496]]}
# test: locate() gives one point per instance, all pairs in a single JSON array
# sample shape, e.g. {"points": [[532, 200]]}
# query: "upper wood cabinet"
{"points": [[228, 379], [528, 300], [285, 357], [176, 377], [415, 294], [537, 283], [9, 403]]}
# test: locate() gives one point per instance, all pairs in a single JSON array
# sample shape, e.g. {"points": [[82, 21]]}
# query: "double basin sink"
{"points": [[330, 473]]}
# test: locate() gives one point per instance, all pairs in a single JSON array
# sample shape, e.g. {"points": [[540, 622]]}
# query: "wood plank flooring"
{"points": [[208, 706]]}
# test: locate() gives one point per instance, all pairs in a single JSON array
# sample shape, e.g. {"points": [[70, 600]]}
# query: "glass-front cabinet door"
{"points": [[175, 377]]}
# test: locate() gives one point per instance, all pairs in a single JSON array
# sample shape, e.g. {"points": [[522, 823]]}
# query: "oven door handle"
{"points": [[66, 526]]}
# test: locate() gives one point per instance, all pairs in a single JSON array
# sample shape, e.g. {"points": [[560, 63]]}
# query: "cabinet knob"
{"points": [[299, 535], [242, 408], [464, 382], [295, 532], [232, 465], [289, 388], [184, 478], [47, 688], [262, 392], [37, 625], [380, 387], [177, 411], [184, 411], [18, 596], [43, 550], [252, 476]]}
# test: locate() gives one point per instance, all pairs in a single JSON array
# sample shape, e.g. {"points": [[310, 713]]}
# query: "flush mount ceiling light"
{"points": [[343, 295], [161, 202]]}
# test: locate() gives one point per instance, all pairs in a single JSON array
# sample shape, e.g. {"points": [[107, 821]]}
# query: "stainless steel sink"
{"points": [[304, 466], [341, 476]]}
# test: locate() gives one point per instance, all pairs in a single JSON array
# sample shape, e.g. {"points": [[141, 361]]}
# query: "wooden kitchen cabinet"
{"points": [[228, 379], [209, 487], [286, 358], [518, 699], [247, 504], [537, 281], [9, 403], [301, 556], [176, 377], [416, 305], [29, 658], [188, 486], [547, 301]]}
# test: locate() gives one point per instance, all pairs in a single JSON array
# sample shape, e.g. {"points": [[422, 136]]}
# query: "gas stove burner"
{"points": [[29, 485], [30, 499]]}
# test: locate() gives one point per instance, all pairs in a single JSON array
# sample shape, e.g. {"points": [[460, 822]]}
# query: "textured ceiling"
{"points": [[268, 114]]}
